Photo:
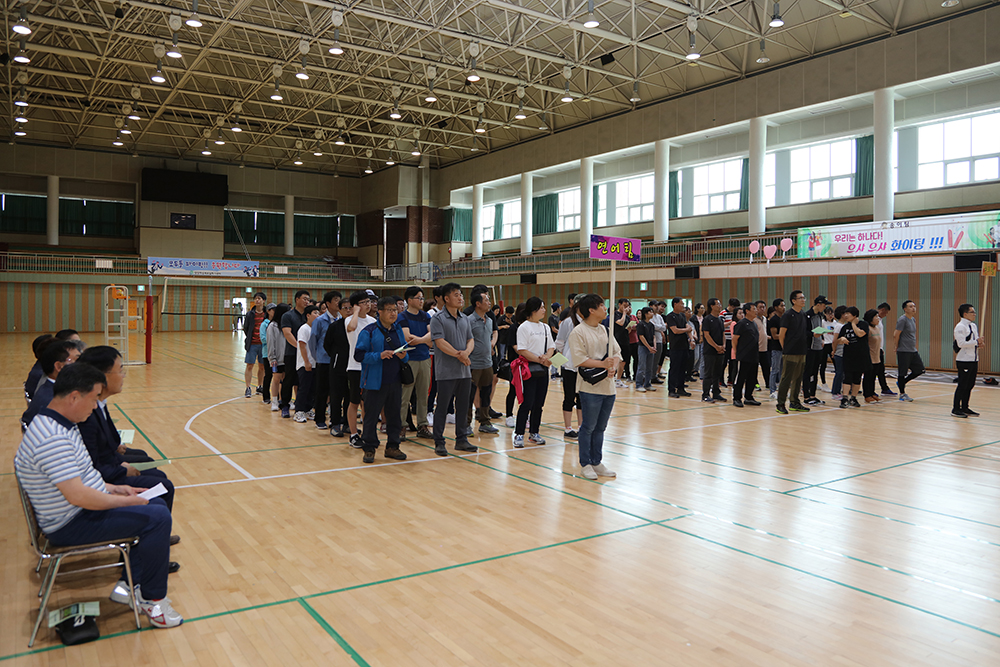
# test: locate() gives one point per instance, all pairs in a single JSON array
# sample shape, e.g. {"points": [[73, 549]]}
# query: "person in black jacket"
{"points": [[252, 344], [338, 347], [36, 374], [56, 355]]}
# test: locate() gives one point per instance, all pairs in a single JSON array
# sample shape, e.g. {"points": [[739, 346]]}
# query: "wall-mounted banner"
{"points": [[611, 247], [947, 233], [216, 268]]}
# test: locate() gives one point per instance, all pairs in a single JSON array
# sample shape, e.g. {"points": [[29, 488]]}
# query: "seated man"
{"points": [[57, 355], [101, 437], [35, 375], [74, 506]]}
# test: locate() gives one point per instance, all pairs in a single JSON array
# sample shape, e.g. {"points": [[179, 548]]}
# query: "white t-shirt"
{"points": [[352, 339], [305, 333], [534, 337]]}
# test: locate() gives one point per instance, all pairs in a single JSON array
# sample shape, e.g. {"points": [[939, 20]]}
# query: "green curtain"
{"points": [[672, 195], [498, 221], [461, 224], [244, 220], [745, 185], [92, 217], [315, 231], [597, 204], [545, 214], [348, 237], [864, 177], [270, 229]]}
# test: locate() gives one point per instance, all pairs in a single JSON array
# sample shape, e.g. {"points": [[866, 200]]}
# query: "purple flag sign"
{"points": [[612, 247]]}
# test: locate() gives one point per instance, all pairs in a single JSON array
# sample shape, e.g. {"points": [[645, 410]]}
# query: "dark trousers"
{"points": [[136, 456], [303, 399], [290, 380], [530, 412], [390, 397], [792, 367], [868, 382], [459, 390], [810, 375], [764, 359], [661, 353], [827, 352], [745, 378], [910, 366], [511, 399], [675, 375], [966, 382], [150, 478], [633, 358], [150, 557], [729, 365], [881, 375], [714, 366], [571, 398], [268, 375], [339, 397], [321, 393]]}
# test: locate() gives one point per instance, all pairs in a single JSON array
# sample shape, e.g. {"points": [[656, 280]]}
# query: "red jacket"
{"points": [[519, 373]]}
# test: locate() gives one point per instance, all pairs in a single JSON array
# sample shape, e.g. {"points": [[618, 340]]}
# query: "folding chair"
{"points": [[47, 552]]}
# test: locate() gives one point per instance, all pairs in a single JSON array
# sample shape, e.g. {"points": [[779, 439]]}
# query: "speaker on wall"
{"points": [[686, 272], [185, 187], [529, 278], [972, 261]]}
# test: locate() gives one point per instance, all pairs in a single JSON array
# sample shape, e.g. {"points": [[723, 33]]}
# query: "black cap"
{"points": [[822, 299]]}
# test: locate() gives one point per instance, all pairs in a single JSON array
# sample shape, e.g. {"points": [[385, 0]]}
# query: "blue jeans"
{"points": [[596, 409], [645, 372], [775, 370], [150, 557], [838, 375]]}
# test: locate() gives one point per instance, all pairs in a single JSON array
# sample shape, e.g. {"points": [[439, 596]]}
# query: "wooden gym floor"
{"points": [[730, 537]]}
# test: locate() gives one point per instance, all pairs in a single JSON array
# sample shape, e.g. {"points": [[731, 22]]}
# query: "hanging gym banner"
{"points": [[214, 268], [968, 231]]}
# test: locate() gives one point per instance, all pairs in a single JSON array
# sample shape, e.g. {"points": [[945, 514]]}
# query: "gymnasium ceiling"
{"points": [[86, 64]]}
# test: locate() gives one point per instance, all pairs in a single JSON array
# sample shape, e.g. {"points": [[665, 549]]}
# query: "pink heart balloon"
{"points": [[786, 245], [769, 251], [754, 247]]}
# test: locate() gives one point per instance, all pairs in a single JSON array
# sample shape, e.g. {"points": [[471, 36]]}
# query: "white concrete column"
{"points": [[477, 221], [289, 225], [883, 203], [52, 212], [586, 201], [527, 228], [758, 146], [661, 191]]}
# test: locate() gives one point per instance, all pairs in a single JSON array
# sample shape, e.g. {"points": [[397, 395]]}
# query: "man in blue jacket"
{"points": [[380, 380]]}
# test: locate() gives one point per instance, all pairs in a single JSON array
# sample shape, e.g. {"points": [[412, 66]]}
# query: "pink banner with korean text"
{"points": [[950, 233], [612, 247]]}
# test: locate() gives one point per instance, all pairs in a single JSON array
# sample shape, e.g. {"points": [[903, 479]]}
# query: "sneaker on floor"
{"points": [[959, 414], [588, 472], [905, 397], [798, 407], [300, 417], [159, 612], [247, 393], [285, 414], [369, 456], [394, 453], [535, 438], [510, 422], [683, 394], [381, 428], [321, 426], [356, 441], [450, 419], [837, 397], [518, 441], [430, 418], [266, 401], [971, 413], [466, 448], [274, 405], [337, 431], [888, 392], [719, 399], [845, 402], [707, 399], [823, 387], [488, 428], [494, 414], [604, 471], [642, 389], [737, 403], [260, 390], [469, 431], [424, 432], [673, 394], [781, 409], [571, 434], [751, 401], [854, 402], [651, 387], [311, 415], [120, 594], [774, 395], [440, 450]]}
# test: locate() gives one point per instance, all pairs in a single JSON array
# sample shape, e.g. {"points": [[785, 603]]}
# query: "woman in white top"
{"points": [[571, 397], [967, 343], [534, 343]]}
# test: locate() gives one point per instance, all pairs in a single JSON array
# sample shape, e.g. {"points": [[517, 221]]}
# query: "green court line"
{"points": [[151, 443], [232, 377], [981, 458], [898, 465], [355, 656]]}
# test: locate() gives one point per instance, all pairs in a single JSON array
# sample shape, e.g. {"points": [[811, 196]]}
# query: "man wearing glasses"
{"points": [[381, 367], [967, 344], [793, 336]]}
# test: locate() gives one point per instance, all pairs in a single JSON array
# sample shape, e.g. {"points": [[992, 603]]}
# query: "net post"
{"points": [[149, 321]]}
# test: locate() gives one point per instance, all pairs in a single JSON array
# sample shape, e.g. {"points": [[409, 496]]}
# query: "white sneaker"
{"points": [[159, 612], [300, 417], [535, 438], [450, 419], [650, 388], [823, 387], [774, 395], [510, 422], [120, 594], [603, 471], [430, 419], [518, 441], [588, 472], [274, 405], [642, 389]]}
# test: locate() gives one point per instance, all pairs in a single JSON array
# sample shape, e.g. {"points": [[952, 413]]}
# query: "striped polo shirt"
{"points": [[53, 452]]}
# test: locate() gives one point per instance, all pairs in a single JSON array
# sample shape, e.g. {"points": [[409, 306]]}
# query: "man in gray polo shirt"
{"points": [[482, 362], [908, 359], [451, 334]]}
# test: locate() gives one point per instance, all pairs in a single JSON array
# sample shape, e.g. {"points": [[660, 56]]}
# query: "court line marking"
{"points": [[337, 637], [146, 437], [187, 428]]}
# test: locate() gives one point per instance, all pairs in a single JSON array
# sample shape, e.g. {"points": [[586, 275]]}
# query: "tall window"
{"points": [[487, 219], [823, 171], [717, 187], [770, 178], [512, 220], [634, 200], [602, 205], [569, 210], [959, 151]]}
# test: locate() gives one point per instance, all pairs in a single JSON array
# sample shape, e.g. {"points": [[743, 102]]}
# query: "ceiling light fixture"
{"points": [[302, 75], [22, 56], [692, 40], [431, 97], [336, 49], [947, 4], [22, 99], [368, 169], [206, 151], [20, 133], [219, 141], [394, 114], [298, 161], [236, 125], [591, 20], [762, 58], [193, 21], [125, 129], [566, 96], [473, 76], [317, 153], [543, 125], [635, 93], [119, 11], [118, 141], [520, 115], [776, 20], [21, 26], [157, 76], [20, 117], [479, 126], [276, 95], [340, 140], [174, 51], [416, 149], [133, 114]]}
